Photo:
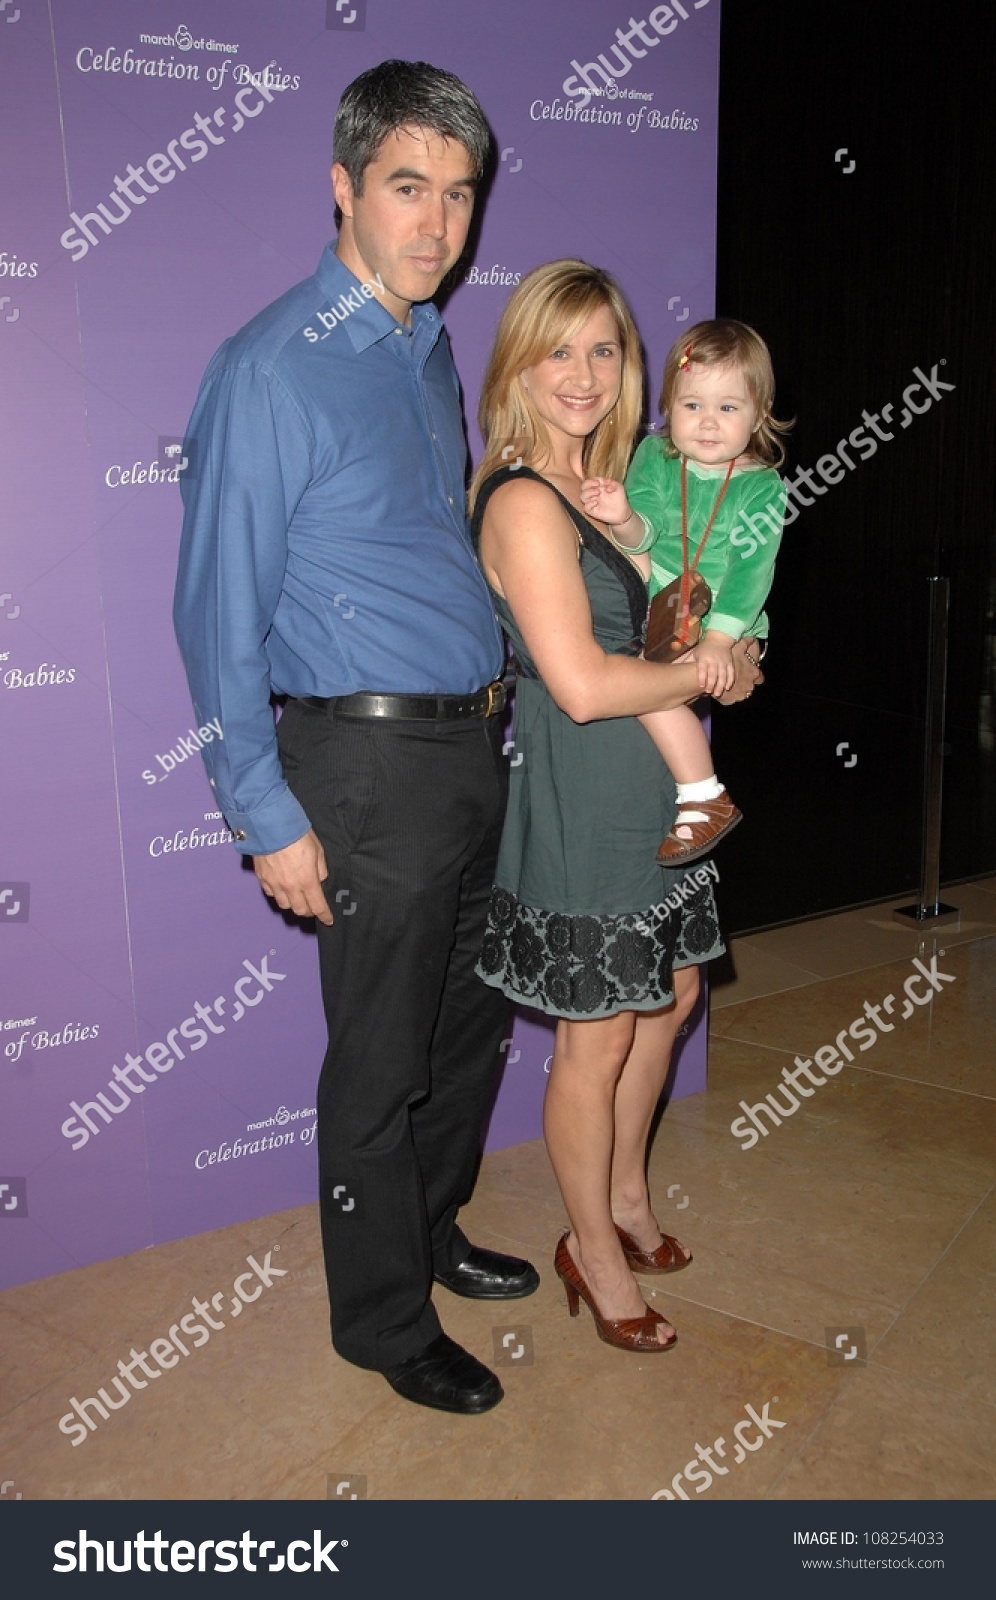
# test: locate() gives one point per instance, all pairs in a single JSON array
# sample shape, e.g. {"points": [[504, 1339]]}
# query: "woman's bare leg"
{"points": [[637, 1092], [588, 1058]]}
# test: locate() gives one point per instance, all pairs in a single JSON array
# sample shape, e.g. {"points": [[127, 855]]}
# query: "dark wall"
{"points": [[855, 279]]}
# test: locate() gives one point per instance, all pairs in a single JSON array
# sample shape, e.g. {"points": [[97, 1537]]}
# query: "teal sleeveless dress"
{"points": [[583, 923]]}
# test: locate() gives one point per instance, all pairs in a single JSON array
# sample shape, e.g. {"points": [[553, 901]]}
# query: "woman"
{"points": [[579, 925]]}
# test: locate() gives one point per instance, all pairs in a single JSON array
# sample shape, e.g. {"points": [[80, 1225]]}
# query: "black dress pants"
{"points": [[409, 815]]}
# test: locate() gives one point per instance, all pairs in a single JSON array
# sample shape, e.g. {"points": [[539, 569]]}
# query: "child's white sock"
{"points": [[705, 789]]}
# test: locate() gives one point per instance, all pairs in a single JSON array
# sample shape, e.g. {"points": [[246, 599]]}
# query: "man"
{"points": [[325, 556]]}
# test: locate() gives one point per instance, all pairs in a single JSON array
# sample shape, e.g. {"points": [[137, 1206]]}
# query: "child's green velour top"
{"points": [[739, 558]]}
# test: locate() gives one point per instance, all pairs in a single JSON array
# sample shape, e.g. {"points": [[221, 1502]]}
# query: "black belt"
{"points": [[415, 707]]}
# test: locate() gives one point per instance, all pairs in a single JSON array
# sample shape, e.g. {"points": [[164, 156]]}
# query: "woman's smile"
{"points": [[580, 402]]}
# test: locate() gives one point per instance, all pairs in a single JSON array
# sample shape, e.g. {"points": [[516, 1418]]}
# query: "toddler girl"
{"points": [[711, 474]]}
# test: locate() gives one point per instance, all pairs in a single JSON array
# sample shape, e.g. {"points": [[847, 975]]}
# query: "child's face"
{"points": [[712, 417]]}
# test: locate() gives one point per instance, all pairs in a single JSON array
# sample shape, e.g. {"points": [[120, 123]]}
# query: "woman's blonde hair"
{"points": [[546, 310], [724, 342]]}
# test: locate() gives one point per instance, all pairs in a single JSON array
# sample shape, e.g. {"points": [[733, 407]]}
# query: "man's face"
{"points": [[410, 223]]}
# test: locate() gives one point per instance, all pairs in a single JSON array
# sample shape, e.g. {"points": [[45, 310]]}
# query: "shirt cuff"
{"points": [[649, 538], [723, 623], [273, 825]]}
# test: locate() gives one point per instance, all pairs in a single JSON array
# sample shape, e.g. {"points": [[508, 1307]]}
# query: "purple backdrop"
{"points": [[127, 923]]}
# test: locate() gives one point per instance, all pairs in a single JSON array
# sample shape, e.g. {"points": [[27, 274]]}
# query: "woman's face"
{"points": [[577, 384]]}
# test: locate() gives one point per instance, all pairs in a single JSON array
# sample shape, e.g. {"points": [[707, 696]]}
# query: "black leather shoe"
{"points": [[446, 1377], [486, 1275]]}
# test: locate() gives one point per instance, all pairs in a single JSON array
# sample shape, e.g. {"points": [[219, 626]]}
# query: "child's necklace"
{"points": [[687, 569]]}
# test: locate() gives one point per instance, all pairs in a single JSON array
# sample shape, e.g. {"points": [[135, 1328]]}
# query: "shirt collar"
{"points": [[370, 322], [703, 469]]}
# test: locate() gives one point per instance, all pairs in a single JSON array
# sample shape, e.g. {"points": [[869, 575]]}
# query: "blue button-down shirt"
{"points": [[325, 546]]}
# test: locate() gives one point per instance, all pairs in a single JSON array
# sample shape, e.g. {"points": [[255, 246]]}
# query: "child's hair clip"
{"points": [[685, 359]]}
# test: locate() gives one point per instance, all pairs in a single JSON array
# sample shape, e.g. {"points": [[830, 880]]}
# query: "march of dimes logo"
{"points": [[146, 60], [270, 1133]]}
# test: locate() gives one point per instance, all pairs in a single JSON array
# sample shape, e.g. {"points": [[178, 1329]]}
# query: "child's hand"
{"points": [[714, 659], [605, 499]]}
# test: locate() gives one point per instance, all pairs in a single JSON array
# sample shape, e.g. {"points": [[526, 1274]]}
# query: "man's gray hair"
{"points": [[406, 94]]}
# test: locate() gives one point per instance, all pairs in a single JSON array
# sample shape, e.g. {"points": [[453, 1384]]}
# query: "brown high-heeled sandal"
{"points": [[666, 1258], [624, 1333]]}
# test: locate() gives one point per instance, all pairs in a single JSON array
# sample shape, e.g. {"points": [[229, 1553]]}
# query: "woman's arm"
{"points": [[529, 553]]}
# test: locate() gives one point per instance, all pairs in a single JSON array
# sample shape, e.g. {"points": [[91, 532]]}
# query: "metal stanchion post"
{"points": [[930, 911]]}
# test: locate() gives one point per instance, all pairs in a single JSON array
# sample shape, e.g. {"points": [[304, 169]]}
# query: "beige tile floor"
{"points": [[870, 1209]]}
